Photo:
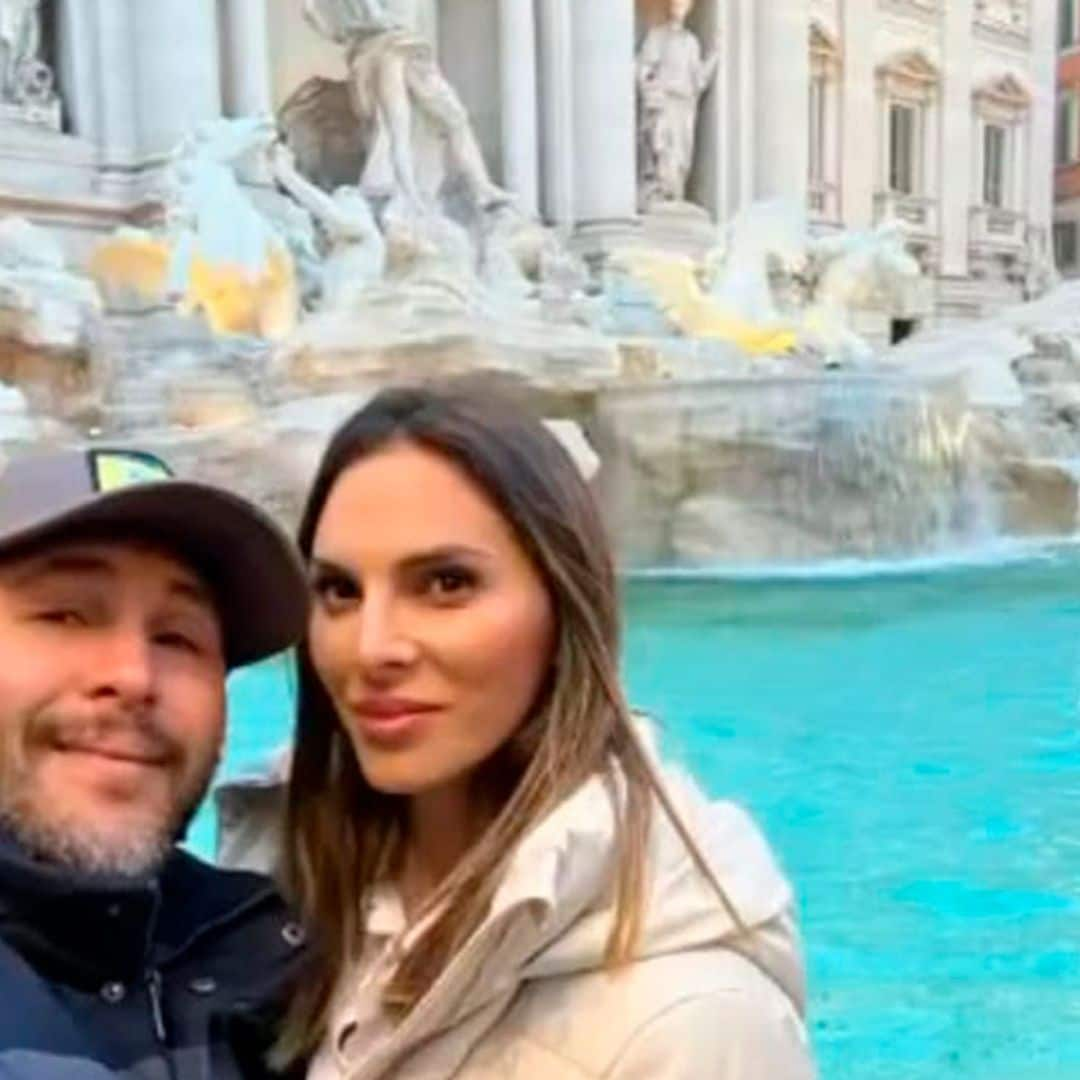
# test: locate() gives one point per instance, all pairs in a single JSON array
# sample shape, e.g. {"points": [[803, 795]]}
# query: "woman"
{"points": [[500, 880]]}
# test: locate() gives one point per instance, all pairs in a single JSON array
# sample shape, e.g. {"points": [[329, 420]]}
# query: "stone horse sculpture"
{"points": [[855, 270], [674, 284], [766, 237], [219, 254], [767, 241]]}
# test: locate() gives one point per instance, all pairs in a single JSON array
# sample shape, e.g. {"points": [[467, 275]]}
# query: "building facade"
{"points": [[938, 112], [1067, 143]]}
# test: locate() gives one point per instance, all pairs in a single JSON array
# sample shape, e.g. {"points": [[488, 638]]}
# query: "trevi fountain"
{"points": [[713, 376], [225, 223]]}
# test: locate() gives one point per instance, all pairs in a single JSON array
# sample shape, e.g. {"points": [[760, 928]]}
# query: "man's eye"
{"points": [[61, 617], [174, 640]]}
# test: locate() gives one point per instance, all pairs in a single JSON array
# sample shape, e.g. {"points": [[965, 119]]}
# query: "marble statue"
{"points": [[768, 236], [302, 236], [672, 75], [674, 283], [1040, 273], [356, 257], [855, 270], [27, 84], [228, 260], [511, 254], [766, 244], [218, 254], [20, 42], [394, 79]]}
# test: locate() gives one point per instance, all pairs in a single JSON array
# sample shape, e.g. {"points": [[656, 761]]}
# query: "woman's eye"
{"points": [[450, 582], [334, 591]]}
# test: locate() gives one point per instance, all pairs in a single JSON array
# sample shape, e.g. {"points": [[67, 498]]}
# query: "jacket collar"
{"points": [[554, 909], [84, 930]]}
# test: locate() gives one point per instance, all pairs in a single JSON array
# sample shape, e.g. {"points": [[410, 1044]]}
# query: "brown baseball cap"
{"points": [[249, 563]]}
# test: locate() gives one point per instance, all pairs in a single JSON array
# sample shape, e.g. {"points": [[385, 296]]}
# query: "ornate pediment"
{"points": [[825, 53], [909, 74], [1004, 95]]}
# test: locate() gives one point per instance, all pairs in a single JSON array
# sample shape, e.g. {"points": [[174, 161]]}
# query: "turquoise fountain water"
{"points": [[910, 742]]}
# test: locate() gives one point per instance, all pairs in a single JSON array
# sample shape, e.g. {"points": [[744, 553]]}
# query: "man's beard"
{"points": [[130, 849]]}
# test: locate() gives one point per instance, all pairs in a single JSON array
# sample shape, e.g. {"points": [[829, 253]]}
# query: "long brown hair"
{"points": [[342, 834]]}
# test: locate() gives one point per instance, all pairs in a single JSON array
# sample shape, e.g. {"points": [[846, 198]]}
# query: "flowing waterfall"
{"points": [[791, 469]]}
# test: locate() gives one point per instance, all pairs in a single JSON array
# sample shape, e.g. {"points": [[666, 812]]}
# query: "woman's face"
{"points": [[431, 629]]}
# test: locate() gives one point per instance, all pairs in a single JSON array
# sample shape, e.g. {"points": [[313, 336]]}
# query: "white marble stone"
{"points": [[518, 103], [247, 80], [27, 84], [553, 102], [16, 422], [557, 127], [605, 170], [43, 304], [177, 85]]}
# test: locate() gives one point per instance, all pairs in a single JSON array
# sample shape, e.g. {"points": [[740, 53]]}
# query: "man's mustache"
{"points": [[134, 735]]}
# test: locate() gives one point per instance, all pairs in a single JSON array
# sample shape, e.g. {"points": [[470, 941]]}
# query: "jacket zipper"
{"points": [[153, 987]]}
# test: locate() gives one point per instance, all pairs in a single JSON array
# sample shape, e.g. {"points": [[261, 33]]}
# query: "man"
{"points": [[125, 597]]}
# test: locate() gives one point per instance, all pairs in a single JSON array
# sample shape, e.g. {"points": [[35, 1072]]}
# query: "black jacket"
{"points": [[177, 978]]}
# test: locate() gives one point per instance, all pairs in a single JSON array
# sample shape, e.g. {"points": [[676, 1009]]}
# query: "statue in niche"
{"points": [[672, 75], [26, 81], [395, 79]]}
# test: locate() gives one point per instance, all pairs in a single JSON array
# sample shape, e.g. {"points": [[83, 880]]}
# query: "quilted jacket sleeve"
{"points": [[724, 1035]]}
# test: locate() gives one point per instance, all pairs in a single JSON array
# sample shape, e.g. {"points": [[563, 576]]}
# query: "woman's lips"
{"points": [[390, 721]]}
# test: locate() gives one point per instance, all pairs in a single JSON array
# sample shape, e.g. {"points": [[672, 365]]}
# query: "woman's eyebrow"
{"points": [[417, 560], [445, 553]]}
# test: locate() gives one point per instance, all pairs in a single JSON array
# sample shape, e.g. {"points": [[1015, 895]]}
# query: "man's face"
{"points": [[112, 702]]}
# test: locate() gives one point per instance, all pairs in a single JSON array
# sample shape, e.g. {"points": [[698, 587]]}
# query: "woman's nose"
{"points": [[385, 639]]}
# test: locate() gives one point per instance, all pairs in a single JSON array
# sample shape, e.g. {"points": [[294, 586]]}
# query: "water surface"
{"points": [[909, 740]]}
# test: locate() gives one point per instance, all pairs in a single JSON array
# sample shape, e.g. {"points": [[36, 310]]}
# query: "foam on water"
{"points": [[1001, 552]]}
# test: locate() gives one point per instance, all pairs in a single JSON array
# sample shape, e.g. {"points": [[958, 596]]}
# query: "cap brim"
{"points": [[253, 569]]}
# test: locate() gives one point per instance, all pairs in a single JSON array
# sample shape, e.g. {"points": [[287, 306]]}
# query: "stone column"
{"points": [[742, 113], [782, 101], [178, 73], [956, 127], [860, 134], [76, 64], [558, 112], [710, 182], [518, 93], [116, 126], [605, 120], [247, 85], [1038, 158]]}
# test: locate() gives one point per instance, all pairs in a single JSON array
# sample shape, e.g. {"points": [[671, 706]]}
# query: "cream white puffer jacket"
{"points": [[529, 999]]}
